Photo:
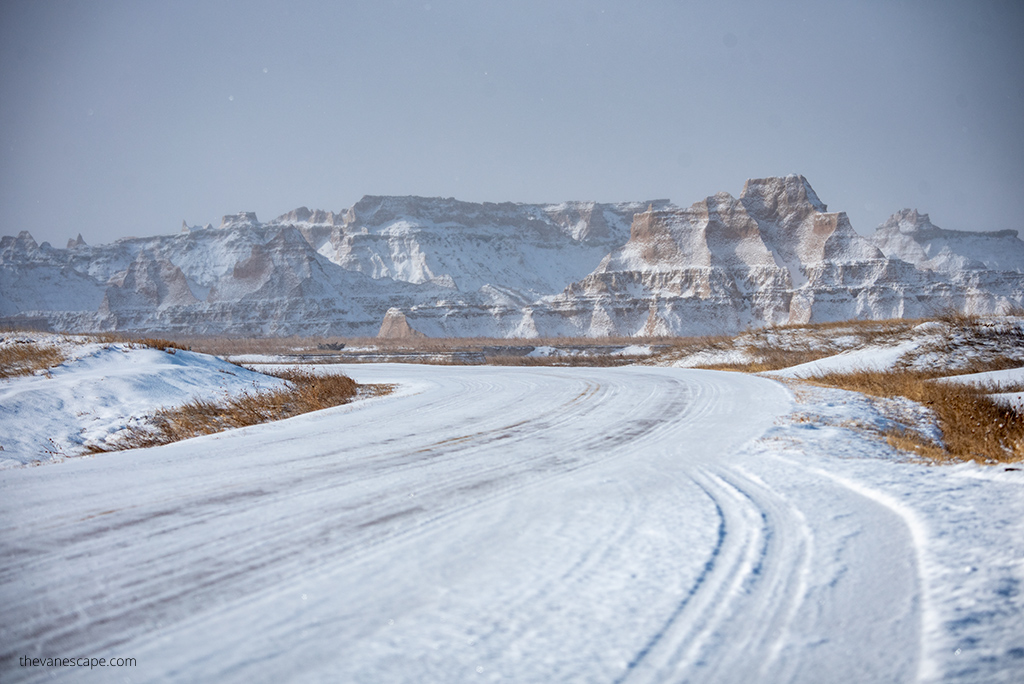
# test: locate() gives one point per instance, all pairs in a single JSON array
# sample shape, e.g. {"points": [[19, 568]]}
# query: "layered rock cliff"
{"points": [[442, 267]]}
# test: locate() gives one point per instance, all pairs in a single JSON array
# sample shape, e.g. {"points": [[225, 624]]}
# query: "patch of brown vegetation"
{"points": [[974, 426], [905, 439], [958, 319], [679, 346], [25, 358], [150, 342], [771, 358], [222, 346], [306, 392], [869, 327]]}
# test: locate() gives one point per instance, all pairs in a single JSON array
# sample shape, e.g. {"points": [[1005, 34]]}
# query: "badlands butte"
{"points": [[400, 266]]}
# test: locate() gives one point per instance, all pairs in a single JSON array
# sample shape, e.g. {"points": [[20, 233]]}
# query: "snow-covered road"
{"points": [[487, 524]]}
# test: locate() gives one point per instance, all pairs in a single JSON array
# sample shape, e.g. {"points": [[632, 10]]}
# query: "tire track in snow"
{"points": [[742, 602]]}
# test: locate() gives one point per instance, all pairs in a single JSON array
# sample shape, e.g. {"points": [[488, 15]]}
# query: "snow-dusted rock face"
{"points": [[36, 279], [395, 326], [529, 250], [774, 255], [910, 236], [443, 267]]}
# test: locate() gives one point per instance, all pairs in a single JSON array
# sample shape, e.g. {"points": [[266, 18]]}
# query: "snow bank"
{"points": [[1014, 399], [102, 389], [869, 358], [966, 523], [996, 379], [714, 357], [996, 383], [634, 350]]}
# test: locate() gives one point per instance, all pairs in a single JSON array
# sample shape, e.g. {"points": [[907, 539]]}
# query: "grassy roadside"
{"points": [[974, 426], [305, 392]]}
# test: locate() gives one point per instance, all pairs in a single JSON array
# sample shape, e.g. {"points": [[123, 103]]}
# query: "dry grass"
{"points": [[576, 351], [914, 442], [25, 358], [958, 319], [228, 346], [306, 392], [222, 346], [781, 346], [150, 342], [869, 326], [441, 344], [866, 332], [772, 358], [974, 426], [681, 346]]}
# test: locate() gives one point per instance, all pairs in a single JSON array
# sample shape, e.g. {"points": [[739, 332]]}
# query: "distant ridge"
{"points": [[442, 267]]}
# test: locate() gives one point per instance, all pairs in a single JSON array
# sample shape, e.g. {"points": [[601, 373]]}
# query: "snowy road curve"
{"points": [[481, 524]]}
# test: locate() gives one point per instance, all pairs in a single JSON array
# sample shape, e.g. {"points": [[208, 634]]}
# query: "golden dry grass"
{"points": [[306, 392], [227, 346], [869, 326], [771, 358], [25, 358], [151, 342], [325, 345], [580, 351], [974, 426]]}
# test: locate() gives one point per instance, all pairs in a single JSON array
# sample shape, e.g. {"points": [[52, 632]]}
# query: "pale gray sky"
{"points": [[123, 118]]}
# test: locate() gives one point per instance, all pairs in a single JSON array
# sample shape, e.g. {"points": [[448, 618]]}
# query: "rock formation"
{"points": [[442, 267], [396, 327]]}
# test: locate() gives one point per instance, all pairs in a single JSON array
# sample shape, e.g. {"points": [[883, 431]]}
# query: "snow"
{"points": [[1015, 399], [999, 384], [874, 358], [544, 350], [246, 359], [912, 237], [100, 390], [714, 357], [992, 379], [634, 350], [964, 521], [527, 525]]}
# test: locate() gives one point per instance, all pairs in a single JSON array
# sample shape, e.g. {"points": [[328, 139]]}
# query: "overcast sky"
{"points": [[124, 118]]}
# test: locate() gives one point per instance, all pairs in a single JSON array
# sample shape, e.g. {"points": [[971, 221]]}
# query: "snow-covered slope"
{"points": [[775, 254], [99, 390]]}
